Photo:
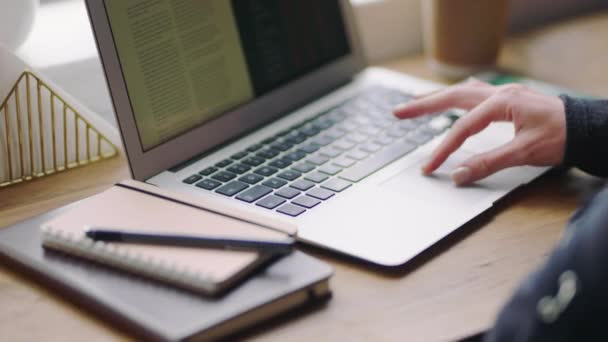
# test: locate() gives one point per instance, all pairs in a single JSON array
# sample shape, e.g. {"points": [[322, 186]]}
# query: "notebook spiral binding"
{"points": [[34, 119], [114, 255]]}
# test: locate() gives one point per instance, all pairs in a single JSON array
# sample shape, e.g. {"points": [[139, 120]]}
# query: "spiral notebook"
{"points": [[136, 206]]}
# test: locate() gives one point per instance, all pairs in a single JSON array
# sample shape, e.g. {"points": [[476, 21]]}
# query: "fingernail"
{"points": [[399, 108], [425, 169], [461, 175]]}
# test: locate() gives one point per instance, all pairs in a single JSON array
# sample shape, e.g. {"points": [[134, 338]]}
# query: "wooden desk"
{"points": [[453, 290]]}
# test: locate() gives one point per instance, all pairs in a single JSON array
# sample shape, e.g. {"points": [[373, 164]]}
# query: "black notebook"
{"points": [[156, 311]]}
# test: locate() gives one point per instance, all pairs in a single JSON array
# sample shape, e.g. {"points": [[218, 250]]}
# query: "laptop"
{"points": [[266, 110]]}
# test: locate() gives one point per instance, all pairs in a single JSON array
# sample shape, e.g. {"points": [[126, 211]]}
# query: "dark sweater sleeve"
{"points": [[565, 299], [586, 134]]}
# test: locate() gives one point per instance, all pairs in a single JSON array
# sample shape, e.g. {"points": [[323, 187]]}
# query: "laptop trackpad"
{"points": [[439, 189]]}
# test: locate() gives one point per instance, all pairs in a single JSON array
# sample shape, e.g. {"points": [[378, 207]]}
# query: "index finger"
{"points": [[477, 120]]}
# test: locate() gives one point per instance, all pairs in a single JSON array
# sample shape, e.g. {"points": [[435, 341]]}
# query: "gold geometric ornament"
{"points": [[41, 134]]}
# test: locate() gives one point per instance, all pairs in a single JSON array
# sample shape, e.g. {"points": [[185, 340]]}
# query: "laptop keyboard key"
{"points": [[344, 145], [382, 124], [296, 155], [324, 123], [331, 152], [324, 140], [270, 202], [281, 163], [232, 188], [296, 139], [330, 169], [320, 193], [208, 171], [377, 161], [192, 179], [438, 125], [365, 122], [357, 155], [253, 161], [356, 138], [282, 146], [337, 115], [407, 124], [306, 201], [318, 160], [419, 137], [304, 167], [275, 183], [208, 184], [223, 176], [268, 153], [239, 169], [266, 171], [288, 193], [371, 147], [396, 132], [335, 133], [316, 177], [310, 148], [302, 184], [254, 194], [251, 178], [336, 184], [423, 119], [368, 130], [348, 126], [224, 163], [344, 162], [291, 210], [385, 140], [254, 147], [289, 175], [239, 155], [310, 131]]}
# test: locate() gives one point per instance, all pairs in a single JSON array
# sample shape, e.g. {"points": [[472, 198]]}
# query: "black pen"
{"points": [[273, 247]]}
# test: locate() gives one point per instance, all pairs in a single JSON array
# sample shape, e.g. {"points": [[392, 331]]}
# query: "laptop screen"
{"points": [[186, 62]]}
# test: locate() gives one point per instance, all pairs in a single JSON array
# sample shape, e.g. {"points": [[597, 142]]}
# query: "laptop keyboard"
{"points": [[312, 162]]}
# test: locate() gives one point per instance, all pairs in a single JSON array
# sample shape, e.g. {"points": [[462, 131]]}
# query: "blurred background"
{"points": [[400, 30], [61, 43]]}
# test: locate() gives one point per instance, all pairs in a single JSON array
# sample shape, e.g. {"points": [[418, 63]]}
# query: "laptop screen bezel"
{"points": [[210, 135]]}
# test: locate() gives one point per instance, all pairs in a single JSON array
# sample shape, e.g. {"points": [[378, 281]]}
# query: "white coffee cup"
{"points": [[16, 21]]}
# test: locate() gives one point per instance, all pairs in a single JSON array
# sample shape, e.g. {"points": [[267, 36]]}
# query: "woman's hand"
{"points": [[540, 126]]}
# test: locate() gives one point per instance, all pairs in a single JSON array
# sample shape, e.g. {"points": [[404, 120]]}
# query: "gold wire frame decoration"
{"points": [[41, 134]]}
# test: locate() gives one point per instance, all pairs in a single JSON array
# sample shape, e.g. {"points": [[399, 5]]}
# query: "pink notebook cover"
{"points": [[124, 207]]}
